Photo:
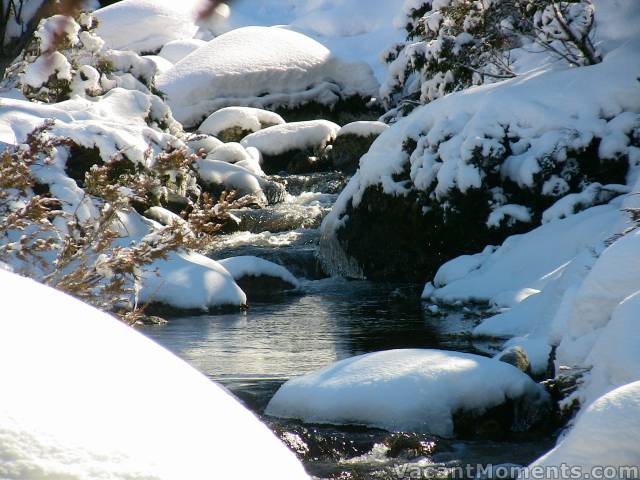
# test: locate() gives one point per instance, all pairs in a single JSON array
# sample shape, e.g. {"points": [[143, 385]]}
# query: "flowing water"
{"points": [[252, 353]]}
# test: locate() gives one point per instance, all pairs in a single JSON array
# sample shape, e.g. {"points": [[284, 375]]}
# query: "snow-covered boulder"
{"points": [[145, 26], [264, 67], [84, 396], [257, 276], [176, 50], [292, 147], [352, 142], [232, 124], [218, 176], [406, 390], [605, 435], [189, 281], [461, 160]]}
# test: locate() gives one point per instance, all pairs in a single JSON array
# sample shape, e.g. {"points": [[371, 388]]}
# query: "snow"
{"points": [[607, 433], [54, 64], [363, 129], [145, 26], [245, 118], [279, 139], [260, 67], [84, 396], [401, 390], [190, 281], [250, 266], [176, 50]]}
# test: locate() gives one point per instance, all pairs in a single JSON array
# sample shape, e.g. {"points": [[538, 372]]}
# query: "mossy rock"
{"points": [[346, 150], [233, 134]]}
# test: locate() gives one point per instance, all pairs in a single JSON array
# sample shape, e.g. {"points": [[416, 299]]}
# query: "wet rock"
{"points": [[409, 445], [345, 110], [517, 357], [263, 285], [296, 162], [345, 152]]}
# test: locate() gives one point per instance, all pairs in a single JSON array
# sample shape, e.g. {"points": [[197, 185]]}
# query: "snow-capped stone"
{"points": [[363, 129], [190, 281], [260, 67], [402, 390], [250, 266], [246, 119], [69, 374], [279, 139]]}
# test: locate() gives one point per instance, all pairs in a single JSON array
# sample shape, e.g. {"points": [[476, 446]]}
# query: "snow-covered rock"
{"points": [[605, 435], [363, 129], [279, 139], [257, 275], [190, 281], [461, 160], [260, 67], [403, 390], [245, 120], [220, 175], [145, 26], [176, 50], [84, 396]]}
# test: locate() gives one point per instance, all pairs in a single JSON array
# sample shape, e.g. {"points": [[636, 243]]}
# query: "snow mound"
{"points": [[284, 138], [401, 390], [190, 281], [176, 50], [144, 26], [69, 375], [250, 266], [244, 118], [607, 433], [260, 67], [363, 129]]}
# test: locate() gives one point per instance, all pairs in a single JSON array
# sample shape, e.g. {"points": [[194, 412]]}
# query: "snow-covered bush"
{"points": [[66, 57], [454, 44]]}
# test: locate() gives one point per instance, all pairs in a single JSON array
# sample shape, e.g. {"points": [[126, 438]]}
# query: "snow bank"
{"points": [[260, 67], [284, 138], [84, 396], [401, 390], [249, 266], [190, 281], [245, 118], [607, 433], [146, 25], [363, 129]]}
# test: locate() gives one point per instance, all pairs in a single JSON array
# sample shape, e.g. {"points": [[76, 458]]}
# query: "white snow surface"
{"points": [[287, 137], [260, 67], [401, 390], [607, 433], [245, 118], [84, 396], [250, 266]]}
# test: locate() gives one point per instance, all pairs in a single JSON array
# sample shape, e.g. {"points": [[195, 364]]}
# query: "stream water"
{"points": [[252, 353]]}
